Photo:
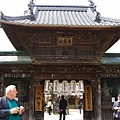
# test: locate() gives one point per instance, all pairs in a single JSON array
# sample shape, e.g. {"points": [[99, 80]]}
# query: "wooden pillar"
{"points": [[98, 100], [43, 100], [31, 99], [88, 101]]}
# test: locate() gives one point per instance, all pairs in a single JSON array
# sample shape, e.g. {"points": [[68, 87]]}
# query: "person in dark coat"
{"points": [[9, 106], [62, 107]]}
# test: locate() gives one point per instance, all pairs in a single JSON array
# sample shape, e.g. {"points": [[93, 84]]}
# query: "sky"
{"points": [[107, 8]]}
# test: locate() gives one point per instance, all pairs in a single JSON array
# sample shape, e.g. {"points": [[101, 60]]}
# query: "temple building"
{"points": [[61, 45]]}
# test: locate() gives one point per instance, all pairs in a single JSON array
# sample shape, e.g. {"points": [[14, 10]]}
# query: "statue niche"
{"points": [[106, 92]]}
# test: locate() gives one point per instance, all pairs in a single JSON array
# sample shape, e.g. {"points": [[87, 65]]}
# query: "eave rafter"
{"points": [[31, 38], [102, 41]]}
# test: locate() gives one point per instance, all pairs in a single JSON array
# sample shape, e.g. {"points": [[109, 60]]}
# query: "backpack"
{"points": [[80, 105]]}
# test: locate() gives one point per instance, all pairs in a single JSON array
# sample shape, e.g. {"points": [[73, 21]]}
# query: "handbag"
{"points": [[59, 111], [79, 105]]}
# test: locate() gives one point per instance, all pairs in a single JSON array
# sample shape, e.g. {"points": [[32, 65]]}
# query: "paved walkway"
{"points": [[73, 115]]}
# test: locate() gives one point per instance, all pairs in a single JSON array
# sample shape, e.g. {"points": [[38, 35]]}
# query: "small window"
{"points": [[65, 53]]}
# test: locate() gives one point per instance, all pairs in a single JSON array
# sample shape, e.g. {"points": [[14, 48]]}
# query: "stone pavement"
{"points": [[73, 115]]}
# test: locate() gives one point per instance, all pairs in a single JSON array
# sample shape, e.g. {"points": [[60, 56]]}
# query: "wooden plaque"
{"points": [[38, 98]]}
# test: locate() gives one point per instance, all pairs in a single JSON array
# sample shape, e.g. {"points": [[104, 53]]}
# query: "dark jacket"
{"points": [[4, 108], [63, 104]]}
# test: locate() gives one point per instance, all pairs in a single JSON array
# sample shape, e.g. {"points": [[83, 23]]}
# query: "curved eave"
{"points": [[94, 27]]}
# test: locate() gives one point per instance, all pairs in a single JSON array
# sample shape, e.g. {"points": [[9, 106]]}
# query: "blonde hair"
{"points": [[9, 88]]}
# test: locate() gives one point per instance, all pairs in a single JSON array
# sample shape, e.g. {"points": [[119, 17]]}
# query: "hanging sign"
{"points": [[88, 98], [38, 98]]}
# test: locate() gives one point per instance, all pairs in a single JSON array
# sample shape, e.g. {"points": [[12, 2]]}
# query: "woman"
{"points": [[49, 106]]}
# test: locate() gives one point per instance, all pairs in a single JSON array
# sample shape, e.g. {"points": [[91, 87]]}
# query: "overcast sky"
{"points": [[107, 8]]}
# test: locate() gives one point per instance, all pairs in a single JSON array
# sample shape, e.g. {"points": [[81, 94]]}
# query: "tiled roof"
{"points": [[15, 57], [69, 16], [111, 58], [15, 60]]}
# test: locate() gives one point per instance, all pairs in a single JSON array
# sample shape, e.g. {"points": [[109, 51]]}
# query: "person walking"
{"points": [[80, 104], [116, 109], [9, 106], [62, 107]]}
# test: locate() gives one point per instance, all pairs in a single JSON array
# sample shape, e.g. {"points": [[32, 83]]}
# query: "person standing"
{"points": [[49, 105], [62, 107], [116, 109], [9, 106]]}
